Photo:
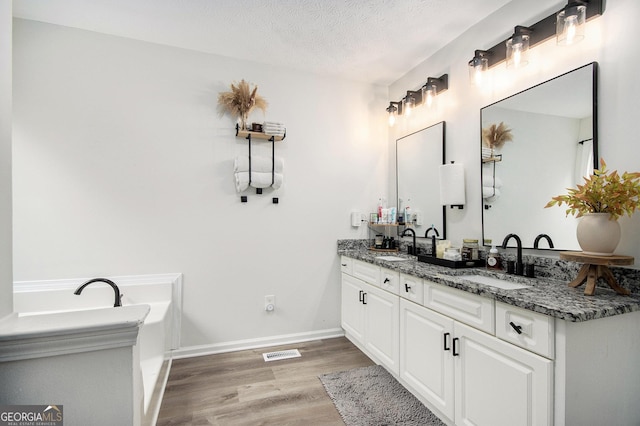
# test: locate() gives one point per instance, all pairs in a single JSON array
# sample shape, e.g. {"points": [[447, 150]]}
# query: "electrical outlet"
{"points": [[270, 303]]}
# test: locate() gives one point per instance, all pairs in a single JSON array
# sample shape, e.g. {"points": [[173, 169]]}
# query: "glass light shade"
{"points": [[409, 102], [570, 23], [478, 67], [429, 92], [392, 118], [518, 51]]}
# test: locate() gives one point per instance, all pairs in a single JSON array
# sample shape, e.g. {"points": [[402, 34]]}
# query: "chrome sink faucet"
{"points": [[113, 285], [519, 265]]}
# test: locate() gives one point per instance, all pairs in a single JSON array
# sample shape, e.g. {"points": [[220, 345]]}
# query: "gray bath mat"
{"points": [[372, 396]]}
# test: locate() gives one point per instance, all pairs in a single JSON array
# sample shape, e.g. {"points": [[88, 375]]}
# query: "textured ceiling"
{"points": [[375, 41]]}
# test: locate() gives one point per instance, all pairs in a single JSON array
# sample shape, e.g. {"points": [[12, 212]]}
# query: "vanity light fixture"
{"points": [[567, 26], [426, 95], [478, 67], [392, 109], [570, 23]]}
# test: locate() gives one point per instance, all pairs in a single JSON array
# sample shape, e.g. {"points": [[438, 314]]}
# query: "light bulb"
{"points": [[392, 118]]}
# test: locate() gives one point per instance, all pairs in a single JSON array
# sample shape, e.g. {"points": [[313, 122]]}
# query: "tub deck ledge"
{"points": [[36, 336]]}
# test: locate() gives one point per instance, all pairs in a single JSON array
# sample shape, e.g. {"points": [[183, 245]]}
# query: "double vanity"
{"points": [[479, 347]]}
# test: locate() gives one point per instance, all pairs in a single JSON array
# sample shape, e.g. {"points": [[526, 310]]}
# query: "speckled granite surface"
{"points": [[547, 294]]}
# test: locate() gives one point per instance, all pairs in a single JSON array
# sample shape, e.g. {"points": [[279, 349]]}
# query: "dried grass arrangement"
{"points": [[240, 101], [495, 136]]}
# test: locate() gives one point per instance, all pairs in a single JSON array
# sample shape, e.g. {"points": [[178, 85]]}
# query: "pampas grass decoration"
{"points": [[240, 101], [496, 136]]}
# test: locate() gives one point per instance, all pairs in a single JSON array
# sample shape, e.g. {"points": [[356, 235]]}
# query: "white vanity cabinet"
{"points": [[497, 383], [426, 363], [370, 315], [468, 375]]}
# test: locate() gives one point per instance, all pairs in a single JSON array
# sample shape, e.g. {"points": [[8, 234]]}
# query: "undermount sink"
{"points": [[493, 282], [391, 258]]}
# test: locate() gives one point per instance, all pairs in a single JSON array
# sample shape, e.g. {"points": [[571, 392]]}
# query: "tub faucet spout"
{"points": [[113, 285]]}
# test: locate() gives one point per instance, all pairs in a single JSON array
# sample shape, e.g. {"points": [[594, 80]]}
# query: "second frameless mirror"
{"points": [[418, 158]]}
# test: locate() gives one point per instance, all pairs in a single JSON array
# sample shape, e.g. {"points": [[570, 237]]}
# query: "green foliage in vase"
{"points": [[602, 192]]}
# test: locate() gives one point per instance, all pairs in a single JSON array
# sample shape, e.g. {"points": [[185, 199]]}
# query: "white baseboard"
{"points": [[239, 345]]}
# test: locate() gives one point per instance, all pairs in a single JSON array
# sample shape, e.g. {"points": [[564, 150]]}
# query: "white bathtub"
{"points": [[158, 335]]}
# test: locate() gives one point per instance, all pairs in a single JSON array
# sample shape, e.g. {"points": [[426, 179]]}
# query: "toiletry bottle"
{"points": [[493, 259], [407, 214]]}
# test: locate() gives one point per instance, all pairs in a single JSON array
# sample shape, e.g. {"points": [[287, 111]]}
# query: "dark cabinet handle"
{"points": [[364, 298], [344, 264], [446, 341], [407, 287], [455, 350], [386, 280], [360, 297], [517, 328]]}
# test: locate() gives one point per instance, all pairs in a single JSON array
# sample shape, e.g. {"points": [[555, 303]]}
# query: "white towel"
{"points": [[258, 164], [490, 193], [273, 123], [258, 180], [489, 182]]}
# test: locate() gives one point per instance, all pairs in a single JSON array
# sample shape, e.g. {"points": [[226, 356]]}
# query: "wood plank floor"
{"points": [[240, 388]]}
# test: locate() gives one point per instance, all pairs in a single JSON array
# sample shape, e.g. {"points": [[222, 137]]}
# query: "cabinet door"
{"points": [[426, 363], [352, 309], [382, 326], [498, 384]]}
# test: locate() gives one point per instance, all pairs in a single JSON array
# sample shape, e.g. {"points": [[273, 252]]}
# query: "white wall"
{"points": [[122, 166], [607, 43], [6, 281]]}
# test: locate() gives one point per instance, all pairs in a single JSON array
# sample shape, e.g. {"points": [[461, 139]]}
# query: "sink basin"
{"points": [[493, 282], [391, 258]]}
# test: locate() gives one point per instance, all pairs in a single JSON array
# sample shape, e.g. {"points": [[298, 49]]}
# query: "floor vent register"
{"points": [[274, 356]]}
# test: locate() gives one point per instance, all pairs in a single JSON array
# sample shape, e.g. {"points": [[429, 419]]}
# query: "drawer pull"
{"points": [[364, 299], [517, 328], [386, 280], [360, 297], [407, 287], [455, 353], [446, 341], [344, 264]]}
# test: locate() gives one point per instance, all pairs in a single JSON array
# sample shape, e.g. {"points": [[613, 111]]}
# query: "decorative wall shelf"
{"points": [[494, 159], [248, 134]]}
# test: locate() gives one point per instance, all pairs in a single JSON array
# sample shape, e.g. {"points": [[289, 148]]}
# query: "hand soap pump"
{"points": [[493, 259]]}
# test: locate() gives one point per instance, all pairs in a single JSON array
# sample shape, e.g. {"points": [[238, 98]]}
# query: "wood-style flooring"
{"points": [[240, 388]]}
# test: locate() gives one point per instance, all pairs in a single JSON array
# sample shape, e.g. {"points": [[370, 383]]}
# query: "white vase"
{"points": [[598, 234]]}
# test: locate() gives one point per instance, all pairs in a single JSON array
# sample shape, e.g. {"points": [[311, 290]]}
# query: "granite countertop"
{"points": [[545, 295]]}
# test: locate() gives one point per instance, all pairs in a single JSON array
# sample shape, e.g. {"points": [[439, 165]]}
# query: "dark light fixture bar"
{"points": [[541, 31], [416, 98]]}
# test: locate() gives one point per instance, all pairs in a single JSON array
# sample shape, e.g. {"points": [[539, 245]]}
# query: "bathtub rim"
{"points": [[174, 279]]}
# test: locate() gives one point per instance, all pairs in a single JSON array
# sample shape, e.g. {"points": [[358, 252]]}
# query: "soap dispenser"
{"points": [[493, 259]]}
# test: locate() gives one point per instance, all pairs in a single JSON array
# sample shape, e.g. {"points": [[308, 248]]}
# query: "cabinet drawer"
{"points": [[367, 272], [536, 330], [465, 307], [346, 265], [390, 280], [411, 288]]}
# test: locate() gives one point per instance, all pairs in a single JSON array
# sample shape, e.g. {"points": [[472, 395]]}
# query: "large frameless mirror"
{"points": [[535, 145], [418, 158]]}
